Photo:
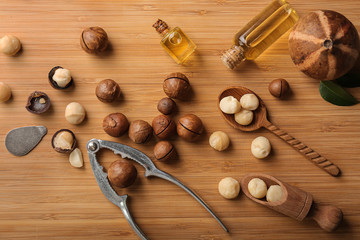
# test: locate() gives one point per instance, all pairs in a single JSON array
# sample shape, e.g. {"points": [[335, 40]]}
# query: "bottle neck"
{"points": [[233, 56], [161, 27]]}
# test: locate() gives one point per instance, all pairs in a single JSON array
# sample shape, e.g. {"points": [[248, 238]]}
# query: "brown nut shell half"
{"points": [[38, 102], [61, 150], [53, 83]]}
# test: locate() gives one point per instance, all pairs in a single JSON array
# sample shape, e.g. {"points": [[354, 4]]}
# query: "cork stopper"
{"points": [[233, 56], [160, 26]]}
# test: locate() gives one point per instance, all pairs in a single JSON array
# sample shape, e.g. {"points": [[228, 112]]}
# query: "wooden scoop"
{"points": [[260, 120], [296, 203]]}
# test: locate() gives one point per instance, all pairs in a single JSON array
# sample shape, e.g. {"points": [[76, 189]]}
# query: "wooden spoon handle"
{"points": [[327, 216], [310, 154]]}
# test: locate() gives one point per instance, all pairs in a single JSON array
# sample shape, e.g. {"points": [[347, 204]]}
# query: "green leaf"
{"points": [[335, 94], [349, 80]]}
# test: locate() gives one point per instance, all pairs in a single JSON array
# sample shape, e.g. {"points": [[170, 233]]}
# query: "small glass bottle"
{"points": [[262, 31], [175, 42]]}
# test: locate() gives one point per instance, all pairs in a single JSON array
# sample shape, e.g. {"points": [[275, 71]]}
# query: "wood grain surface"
{"points": [[43, 197]]}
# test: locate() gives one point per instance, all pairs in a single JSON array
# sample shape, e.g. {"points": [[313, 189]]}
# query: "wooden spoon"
{"points": [[260, 120], [296, 203]]}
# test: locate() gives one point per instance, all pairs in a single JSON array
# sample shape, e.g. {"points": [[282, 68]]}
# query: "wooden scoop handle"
{"points": [[327, 216], [310, 154]]}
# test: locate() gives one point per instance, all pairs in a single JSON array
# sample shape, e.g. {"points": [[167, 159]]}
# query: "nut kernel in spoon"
{"points": [[274, 193], [249, 101], [229, 105], [257, 188], [244, 117]]}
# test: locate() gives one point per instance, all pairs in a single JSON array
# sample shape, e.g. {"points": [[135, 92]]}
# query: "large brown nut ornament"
{"points": [[190, 127], [324, 45], [177, 86]]}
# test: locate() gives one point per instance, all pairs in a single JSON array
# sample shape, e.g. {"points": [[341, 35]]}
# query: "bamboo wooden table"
{"points": [[43, 197]]}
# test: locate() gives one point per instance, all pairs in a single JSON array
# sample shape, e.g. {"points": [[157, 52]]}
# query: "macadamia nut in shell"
{"points": [[244, 117], [229, 105], [260, 147], [219, 141], [229, 188], [249, 101], [274, 193], [75, 113], [257, 188]]}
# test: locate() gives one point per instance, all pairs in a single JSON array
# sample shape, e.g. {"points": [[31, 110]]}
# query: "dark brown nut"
{"points": [[60, 78], [164, 127], [279, 88], [177, 86], [164, 151], [115, 124], [63, 141], [166, 106], [122, 173], [190, 127], [38, 102], [140, 131], [107, 91], [94, 40]]}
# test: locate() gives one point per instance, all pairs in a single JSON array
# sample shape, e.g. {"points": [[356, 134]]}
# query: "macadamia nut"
{"points": [[257, 188], [76, 158], [62, 77], [249, 102], [244, 117], [10, 45], [75, 113], [260, 147], [5, 92], [274, 193], [229, 188], [219, 141], [229, 105], [64, 140]]}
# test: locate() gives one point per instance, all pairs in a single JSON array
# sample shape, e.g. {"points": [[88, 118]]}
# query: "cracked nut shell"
{"points": [[122, 173], [279, 88], [166, 106], [115, 124], [190, 127], [164, 151], [177, 86], [63, 141], [94, 40], [163, 126], [38, 102], [140, 131], [107, 91], [53, 83]]}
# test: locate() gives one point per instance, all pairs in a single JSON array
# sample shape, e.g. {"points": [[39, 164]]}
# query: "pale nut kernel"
{"points": [[219, 141], [75, 113], [274, 193], [229, 188], [76, 158], [249, 101], [5, 92], [10, 45], [257, 188], [229, 105], [260, 147], [244, 117], [64, 140], [62, 77]]}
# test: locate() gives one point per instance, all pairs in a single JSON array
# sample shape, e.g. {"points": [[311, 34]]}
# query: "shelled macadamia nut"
{"points": [[257, 188], [5, 92], [190, 127], [140, 131], [76, 158], [249, 101], [10, 45], [75, 113], [219, 141], [60, 78], [229, 188], [115, 124], [166, 106], [260, 147], [122, 173], [164, 151], [274, 193], [63, 141], [229, 105], [94, 40], [108, 91], [163, 126], [244, 117]]}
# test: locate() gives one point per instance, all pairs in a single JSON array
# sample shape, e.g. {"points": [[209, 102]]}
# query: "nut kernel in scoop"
{"points": [[60, 78], [244, 117], [76, 158], [10, 45], [5, 92], [63, 141], [260, 147], [229, 188], [219, 141], [249, 101], [274, 193], [75, 113], [257, 188], [229, 105]]}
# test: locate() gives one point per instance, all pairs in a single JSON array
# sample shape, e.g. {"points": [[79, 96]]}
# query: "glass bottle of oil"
{"points": [[175, 42], [262, 31]]}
